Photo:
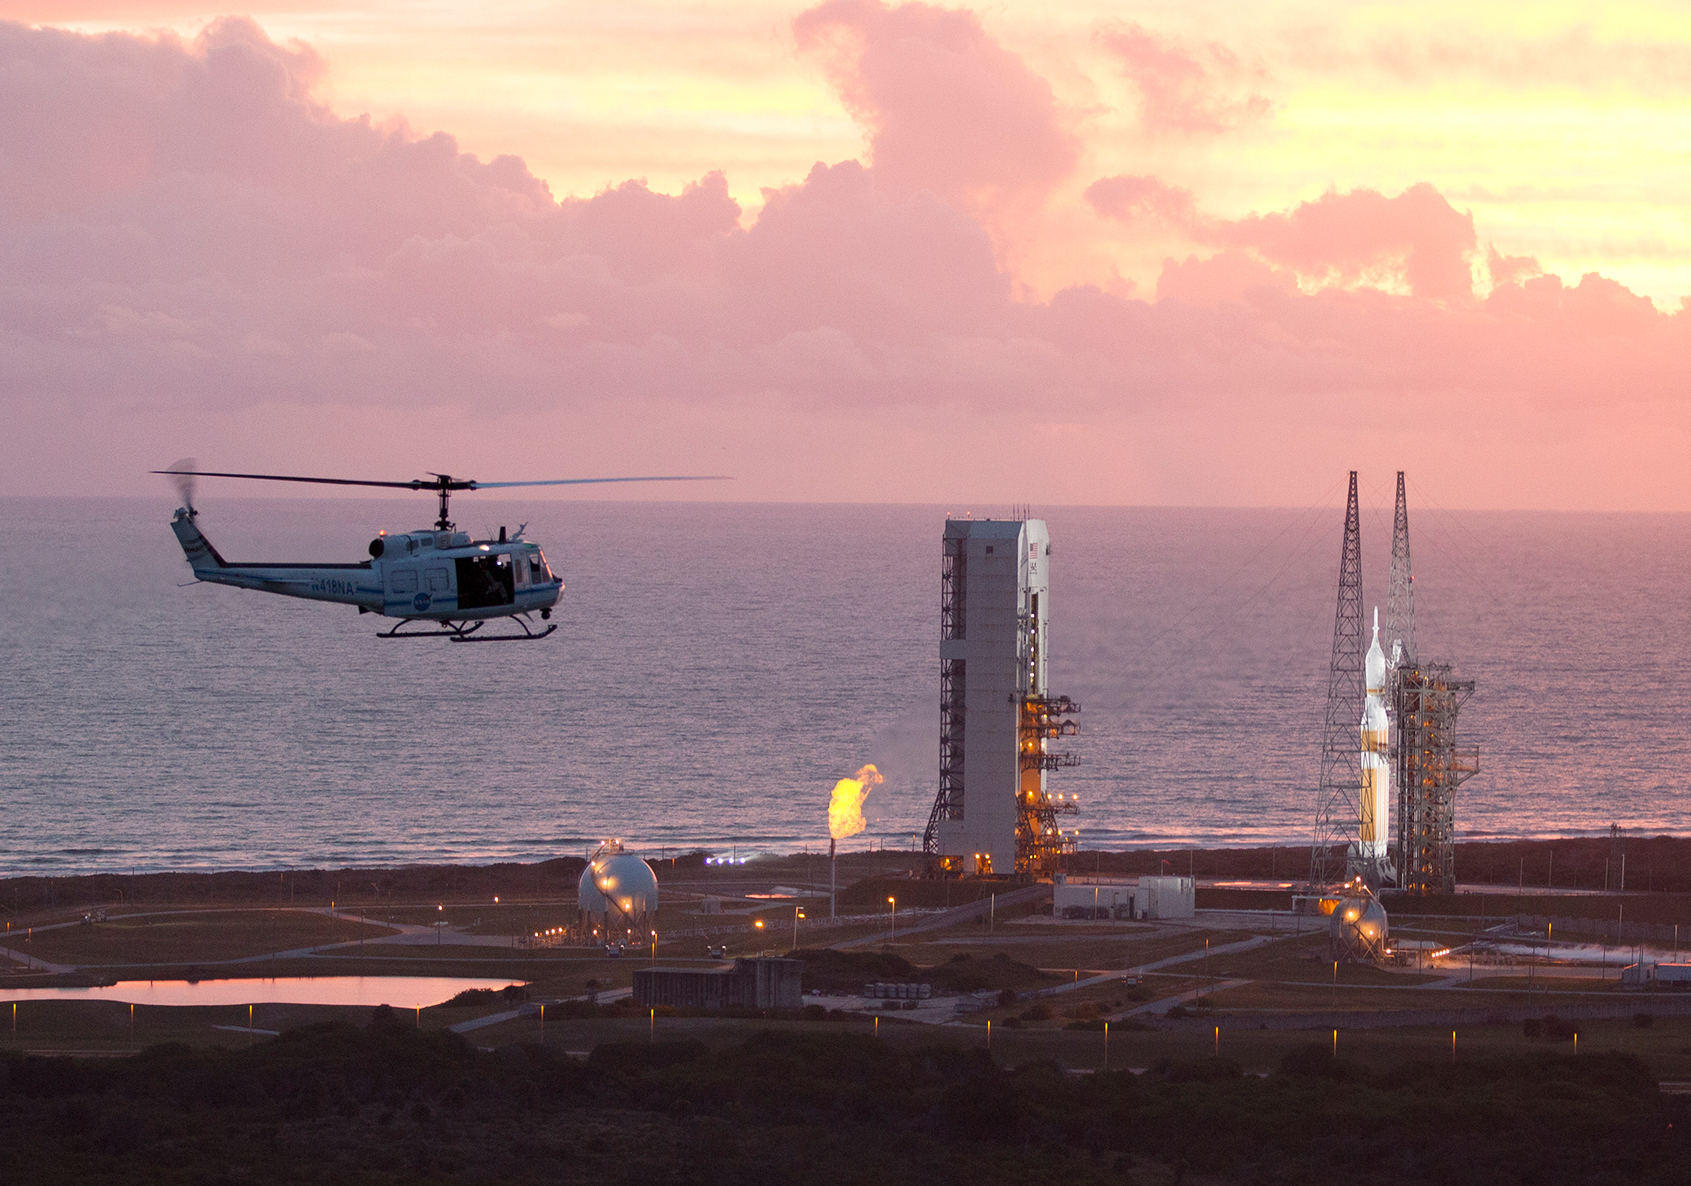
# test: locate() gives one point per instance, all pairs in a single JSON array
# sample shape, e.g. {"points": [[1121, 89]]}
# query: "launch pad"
{"points": [[1408, 712]]}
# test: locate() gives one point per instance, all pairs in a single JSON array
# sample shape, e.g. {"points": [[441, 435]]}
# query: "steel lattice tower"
{"points": [[1400, 642], [1429, 766], [1336, 801], [1400, 593]]}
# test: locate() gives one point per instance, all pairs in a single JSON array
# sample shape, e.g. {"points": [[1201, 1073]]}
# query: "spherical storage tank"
{"points": [[1358, 928], [623, 878]]}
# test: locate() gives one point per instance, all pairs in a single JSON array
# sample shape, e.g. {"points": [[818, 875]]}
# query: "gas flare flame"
{"points": [[845, 808]]}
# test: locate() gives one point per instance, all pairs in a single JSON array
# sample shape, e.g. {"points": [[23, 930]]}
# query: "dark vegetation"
{"points": [[387, 1103], [1658, 864], [827, 970], [475, 998], [872, 893], [353, 888]]}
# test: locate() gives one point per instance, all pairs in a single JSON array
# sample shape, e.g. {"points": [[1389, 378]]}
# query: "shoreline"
{"points": [[1654, 864]]}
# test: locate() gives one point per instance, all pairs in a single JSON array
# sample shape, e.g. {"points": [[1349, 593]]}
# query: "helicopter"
{"points": [[439, 582]]}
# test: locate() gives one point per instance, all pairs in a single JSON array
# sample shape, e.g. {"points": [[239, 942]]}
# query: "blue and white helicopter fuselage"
{"points": [[437, 576]]}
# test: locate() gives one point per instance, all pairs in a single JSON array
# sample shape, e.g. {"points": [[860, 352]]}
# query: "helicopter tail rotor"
{"points": [[186, 480]]}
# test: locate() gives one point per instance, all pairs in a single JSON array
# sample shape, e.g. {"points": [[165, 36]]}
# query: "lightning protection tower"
{"points": [[1338, 796], [1400, 591], [993, 815]]}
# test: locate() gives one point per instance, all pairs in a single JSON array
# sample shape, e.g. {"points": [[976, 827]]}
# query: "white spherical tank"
{"points": [[1358, 928], [618, 883]]}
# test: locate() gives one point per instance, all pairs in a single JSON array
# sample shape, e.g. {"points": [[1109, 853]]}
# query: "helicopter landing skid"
{"points": [[467, 632]]}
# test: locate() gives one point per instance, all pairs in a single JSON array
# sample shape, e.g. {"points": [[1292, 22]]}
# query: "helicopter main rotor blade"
{"points": [[590, 481], [413, 485]]}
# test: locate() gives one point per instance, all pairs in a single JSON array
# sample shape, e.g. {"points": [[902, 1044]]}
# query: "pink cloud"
{"points": [[1416, 239], [1510, 269], [1226, 276], [1186, 86], [947, 108], [188, 240], [1126, 198], [1416, 235]]}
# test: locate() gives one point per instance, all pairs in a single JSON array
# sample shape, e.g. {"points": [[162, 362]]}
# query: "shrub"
{"points": [[1313, 1061], [1204, 1070], [1038, 1011]]}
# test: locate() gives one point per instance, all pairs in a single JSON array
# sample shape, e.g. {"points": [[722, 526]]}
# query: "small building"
{"points": [[1673, 977], [1123, 898], [750, 983]]}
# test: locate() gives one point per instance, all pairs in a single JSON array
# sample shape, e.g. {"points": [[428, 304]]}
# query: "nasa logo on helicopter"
{"points": [[438, 576]]}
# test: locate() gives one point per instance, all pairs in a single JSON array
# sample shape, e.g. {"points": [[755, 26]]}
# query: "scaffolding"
{"points": [[1429, 767], [948, 803], [1338, 795], [1040, 842]]}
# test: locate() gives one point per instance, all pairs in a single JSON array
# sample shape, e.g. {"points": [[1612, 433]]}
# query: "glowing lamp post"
{"points": [[892, 919], [797, 914]]}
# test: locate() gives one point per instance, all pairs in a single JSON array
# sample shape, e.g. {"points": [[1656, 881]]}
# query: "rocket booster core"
{"points": [[1374, 803]]}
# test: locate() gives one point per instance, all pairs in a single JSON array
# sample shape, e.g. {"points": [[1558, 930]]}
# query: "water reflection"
{"points": [[402, 992]]}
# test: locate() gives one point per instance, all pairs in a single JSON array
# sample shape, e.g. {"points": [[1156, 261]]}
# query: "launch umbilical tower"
{"points": [[1427, 764]]}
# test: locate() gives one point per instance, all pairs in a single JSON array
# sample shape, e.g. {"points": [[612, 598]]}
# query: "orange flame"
{"points": [[845, 808]]}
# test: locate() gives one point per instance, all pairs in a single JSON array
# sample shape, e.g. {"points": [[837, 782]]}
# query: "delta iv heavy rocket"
{"points": [[1374, 809]]}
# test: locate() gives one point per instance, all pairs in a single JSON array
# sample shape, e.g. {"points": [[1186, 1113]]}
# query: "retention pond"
{"points": [[402, 992]]}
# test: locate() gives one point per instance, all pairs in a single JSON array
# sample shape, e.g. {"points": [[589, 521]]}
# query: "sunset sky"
{"points": [[1038, 253]]}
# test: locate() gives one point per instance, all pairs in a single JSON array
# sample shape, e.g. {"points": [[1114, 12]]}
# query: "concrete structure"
{"points": [[902, 990], [993, 815], [1123, 898], [750, 983]]}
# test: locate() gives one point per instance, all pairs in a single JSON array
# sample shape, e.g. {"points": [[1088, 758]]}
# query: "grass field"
{"points": [[188, 937]]}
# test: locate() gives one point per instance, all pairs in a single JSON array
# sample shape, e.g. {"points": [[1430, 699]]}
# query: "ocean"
{"points": [[718, 666]]}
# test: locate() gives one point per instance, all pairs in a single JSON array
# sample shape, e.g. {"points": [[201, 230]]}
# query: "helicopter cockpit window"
{"points": [[537, 570], [402, 580]]}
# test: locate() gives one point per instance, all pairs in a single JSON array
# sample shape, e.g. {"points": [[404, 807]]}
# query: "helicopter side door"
{"points": [[485, 581]]}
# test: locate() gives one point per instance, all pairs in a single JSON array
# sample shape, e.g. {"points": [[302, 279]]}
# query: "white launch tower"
{"points": [[993, 815]]}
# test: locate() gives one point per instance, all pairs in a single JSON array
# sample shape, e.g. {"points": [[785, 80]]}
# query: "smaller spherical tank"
{"points": [[1358, 928], [622, 877]]}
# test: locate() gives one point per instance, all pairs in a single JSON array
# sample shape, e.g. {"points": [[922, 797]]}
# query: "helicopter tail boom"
{"points": [[202, 557], [345, 584]]}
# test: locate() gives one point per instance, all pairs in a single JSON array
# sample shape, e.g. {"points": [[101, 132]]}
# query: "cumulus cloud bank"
{"points": [[187, 236]]}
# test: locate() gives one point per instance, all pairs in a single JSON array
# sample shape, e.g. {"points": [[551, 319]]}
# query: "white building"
{"points": [[1122, 897]]}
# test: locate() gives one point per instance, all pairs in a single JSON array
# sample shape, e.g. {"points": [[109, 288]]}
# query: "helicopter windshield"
{"points": [[538, 571]]}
